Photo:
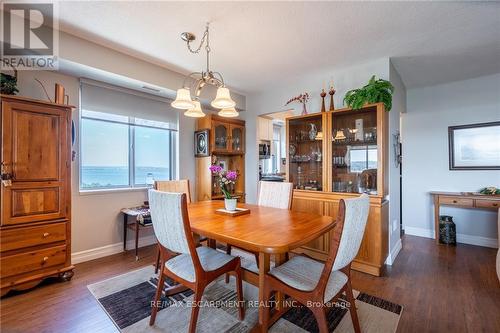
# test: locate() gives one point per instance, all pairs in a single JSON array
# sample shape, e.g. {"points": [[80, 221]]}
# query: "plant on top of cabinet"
{"points": [[303, 99], [377, 90]]}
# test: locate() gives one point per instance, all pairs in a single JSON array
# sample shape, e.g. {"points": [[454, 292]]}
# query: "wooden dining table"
{"points": [[268, 231]]}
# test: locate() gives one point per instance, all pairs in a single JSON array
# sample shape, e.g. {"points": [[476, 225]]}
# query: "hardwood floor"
{"points": [[441, 288]]}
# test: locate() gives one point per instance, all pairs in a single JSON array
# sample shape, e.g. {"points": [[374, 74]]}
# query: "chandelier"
{"points": [[192, 105]]}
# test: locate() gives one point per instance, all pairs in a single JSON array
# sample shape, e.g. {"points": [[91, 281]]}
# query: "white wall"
{"points": [[398, 107], [425, 155]]}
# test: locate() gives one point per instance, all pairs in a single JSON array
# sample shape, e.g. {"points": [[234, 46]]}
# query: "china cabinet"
{"points": [[227, 148], [336, 155]]}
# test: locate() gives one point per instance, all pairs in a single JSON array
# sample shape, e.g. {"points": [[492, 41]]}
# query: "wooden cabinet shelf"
{"points": [[353, 149]]}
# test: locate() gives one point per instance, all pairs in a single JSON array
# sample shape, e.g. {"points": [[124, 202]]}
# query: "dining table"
{"points": [[265, 230]]}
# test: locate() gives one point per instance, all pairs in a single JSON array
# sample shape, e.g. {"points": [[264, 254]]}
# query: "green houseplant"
{"points": [[377, 90]]}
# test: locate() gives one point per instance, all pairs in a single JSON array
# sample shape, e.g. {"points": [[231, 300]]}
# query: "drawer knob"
{"points": [[454, 201], [495, 204], [46, 234], [45, 259]]}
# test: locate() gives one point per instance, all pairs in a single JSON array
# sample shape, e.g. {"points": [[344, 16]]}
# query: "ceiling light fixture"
{"points": [[228, 112], [222, 100]]}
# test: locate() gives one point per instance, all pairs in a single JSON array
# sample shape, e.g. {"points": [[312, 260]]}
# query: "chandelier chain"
{"points": [[205, 37]]}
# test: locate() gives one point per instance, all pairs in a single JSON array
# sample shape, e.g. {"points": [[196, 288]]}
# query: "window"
{"points": [[276, 149], [363, 158], [120, 151]]}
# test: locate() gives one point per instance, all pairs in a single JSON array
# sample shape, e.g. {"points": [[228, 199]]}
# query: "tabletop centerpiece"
{"points": [[225, 178]]}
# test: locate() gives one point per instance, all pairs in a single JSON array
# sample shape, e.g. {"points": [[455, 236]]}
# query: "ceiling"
{"points": [[257, 45]]}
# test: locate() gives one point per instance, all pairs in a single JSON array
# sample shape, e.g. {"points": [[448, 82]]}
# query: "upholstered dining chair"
{"points": [[174, 186], [193, 267], [271, 194], [310, 282]]}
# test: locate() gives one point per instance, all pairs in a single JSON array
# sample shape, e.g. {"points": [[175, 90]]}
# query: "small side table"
{"points": [[142, 219]]}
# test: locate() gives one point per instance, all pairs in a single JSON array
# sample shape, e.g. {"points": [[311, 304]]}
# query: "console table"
{"points": [[462, 199]]}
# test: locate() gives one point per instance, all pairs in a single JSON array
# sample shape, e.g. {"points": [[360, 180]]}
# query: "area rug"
{"points": [[127, 301]]}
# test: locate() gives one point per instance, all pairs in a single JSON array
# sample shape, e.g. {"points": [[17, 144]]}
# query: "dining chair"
{"points": [[192, 267], [174, 186], [311, 282], [270, 194]]}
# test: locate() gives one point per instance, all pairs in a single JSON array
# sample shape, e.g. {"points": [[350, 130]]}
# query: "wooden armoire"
{"points": [[35, 192]]}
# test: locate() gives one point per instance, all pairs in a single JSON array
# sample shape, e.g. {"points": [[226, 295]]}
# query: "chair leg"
{"points": [[320, 315], [196, 309], [159, 289], [257, 259], [228, 251], [157, 261], [239, 291], [267, 308], [352, 307]]}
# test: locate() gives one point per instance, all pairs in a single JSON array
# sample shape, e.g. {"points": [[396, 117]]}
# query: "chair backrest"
{"points": [[174, 186], [168, 220], [355, 218], [275, 194]]}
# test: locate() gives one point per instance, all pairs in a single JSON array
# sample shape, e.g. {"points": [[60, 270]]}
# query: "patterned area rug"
{"points": [[127, 301]]}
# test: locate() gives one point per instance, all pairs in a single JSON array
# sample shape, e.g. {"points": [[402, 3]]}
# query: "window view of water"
{"points": [[106, 176]]}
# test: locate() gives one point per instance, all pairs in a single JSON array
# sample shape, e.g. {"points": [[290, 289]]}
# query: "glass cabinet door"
{"points": [[221, 136], [305, 152], [237, 138], [354, 151]]}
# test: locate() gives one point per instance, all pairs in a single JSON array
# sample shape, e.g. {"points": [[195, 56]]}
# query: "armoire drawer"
{"points": [[18, 238], [32, 260]]}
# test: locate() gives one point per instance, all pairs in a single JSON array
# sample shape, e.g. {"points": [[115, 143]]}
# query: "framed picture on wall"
{"points": [[475, 146], [201, 143]]}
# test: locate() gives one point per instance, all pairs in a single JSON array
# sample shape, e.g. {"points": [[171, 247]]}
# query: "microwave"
{"points": [[264, 151]]}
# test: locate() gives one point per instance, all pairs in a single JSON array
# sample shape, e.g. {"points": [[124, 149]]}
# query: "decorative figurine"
{"points": [[323, 95], [331, 93]]}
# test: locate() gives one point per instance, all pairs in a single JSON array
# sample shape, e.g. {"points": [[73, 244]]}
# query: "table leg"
{"points": [[125, 220], [436, 218], [279, 259], [212, 243], [137, 240], [264, 263]]}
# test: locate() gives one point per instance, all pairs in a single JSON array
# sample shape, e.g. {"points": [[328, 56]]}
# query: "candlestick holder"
{"points": [[323, 95], [331, 93]]}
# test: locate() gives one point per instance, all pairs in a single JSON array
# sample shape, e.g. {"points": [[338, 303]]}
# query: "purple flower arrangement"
{"points": [[224, 178]]}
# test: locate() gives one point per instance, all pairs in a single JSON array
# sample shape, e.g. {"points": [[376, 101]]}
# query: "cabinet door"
{"points": [[220, 136], [263, 128], [317, 248], [237, 139], [35, 152]]}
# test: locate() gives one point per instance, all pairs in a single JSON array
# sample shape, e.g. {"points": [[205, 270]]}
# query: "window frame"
{"points": [[132, 186]]}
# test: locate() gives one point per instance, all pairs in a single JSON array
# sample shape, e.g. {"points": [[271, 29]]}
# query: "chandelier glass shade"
{"points": [[188, 97], [195, 112], [228, 112], [183, 100]]}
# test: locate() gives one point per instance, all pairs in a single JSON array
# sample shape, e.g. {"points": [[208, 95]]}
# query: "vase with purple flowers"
{"points": [[225, 179]]}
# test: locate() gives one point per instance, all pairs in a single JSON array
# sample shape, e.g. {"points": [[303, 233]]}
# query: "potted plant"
{"points": [[225, 178], [377, 90], [8, 82]]}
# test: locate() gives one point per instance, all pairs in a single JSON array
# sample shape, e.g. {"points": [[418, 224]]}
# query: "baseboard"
{"points": [[461, 238], [104, 251], [394, 252]]}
